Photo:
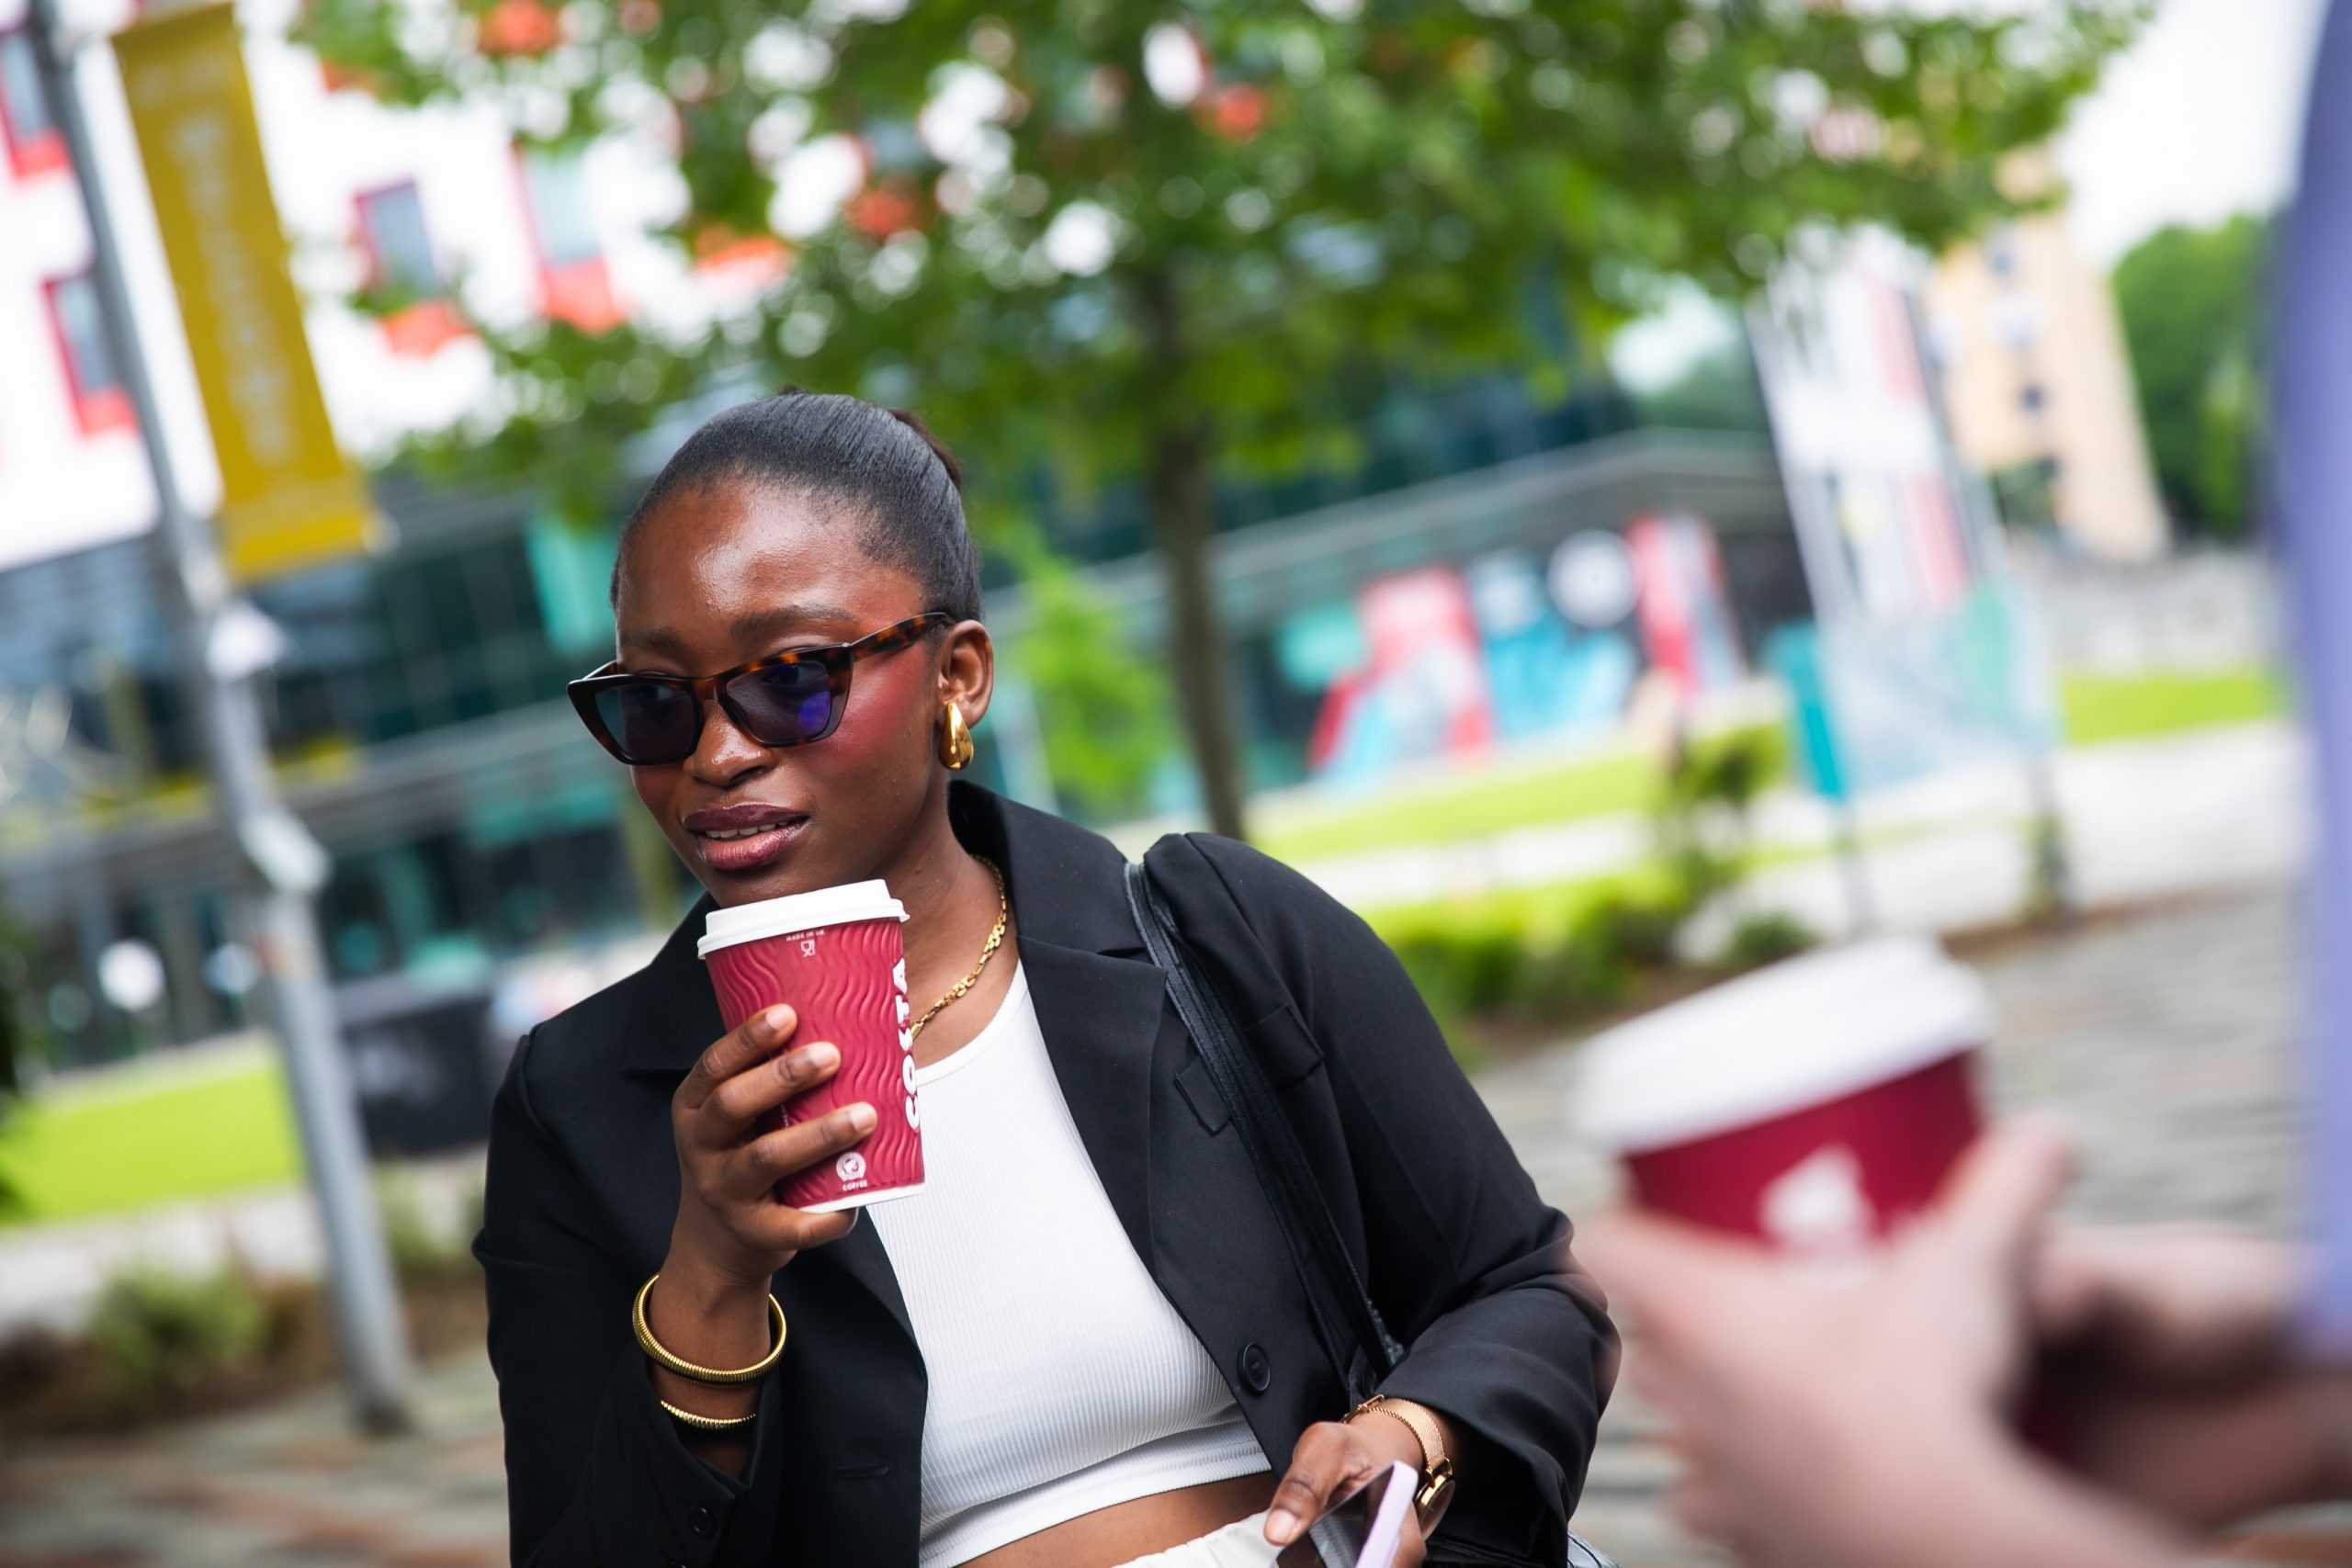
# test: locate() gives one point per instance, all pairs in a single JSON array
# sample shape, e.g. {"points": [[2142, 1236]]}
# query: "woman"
{"points": [[1083, 1343]]}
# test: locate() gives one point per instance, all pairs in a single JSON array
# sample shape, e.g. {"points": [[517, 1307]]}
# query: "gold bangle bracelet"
{"points": [[709, 1422], [660, 1353]]}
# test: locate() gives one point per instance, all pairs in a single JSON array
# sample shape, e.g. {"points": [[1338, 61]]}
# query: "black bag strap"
{"points": [[1349, 1324]]}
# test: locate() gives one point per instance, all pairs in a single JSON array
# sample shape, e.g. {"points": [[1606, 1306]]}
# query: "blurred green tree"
{"points": [[1158, 240], [1112, 721], [2191, 303], [16, 1031]]}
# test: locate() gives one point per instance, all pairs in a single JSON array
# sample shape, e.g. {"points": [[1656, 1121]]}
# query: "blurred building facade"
{"points": [[1563, 549], [2038, 390]]}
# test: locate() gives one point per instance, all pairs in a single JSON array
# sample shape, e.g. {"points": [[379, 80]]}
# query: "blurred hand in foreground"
{"points": [[1855, 1415], [2170, 1359]]}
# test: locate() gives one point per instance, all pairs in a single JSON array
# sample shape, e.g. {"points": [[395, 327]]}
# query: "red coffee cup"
{"points": [[835, 956], [1810, 1105]]}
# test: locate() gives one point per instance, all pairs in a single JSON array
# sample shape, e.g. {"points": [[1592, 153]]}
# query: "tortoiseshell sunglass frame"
{"points": [[837, 660]]}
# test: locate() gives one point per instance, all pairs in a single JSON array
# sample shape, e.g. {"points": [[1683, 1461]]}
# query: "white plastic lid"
{"points": [[839, 906], [1799, 1032]]}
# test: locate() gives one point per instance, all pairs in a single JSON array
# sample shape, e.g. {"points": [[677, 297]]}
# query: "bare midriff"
{"points": [[1137, 1528]]}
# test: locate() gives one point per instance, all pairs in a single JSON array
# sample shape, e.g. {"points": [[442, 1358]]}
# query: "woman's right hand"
{"points": [[732, 1234]]}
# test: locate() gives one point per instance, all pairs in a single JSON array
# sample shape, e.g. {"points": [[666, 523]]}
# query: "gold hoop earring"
{"points": [[955, 741]]}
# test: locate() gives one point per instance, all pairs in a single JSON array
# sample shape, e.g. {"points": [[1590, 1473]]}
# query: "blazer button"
{"points": [[703, 1520], [1257, 1372]]}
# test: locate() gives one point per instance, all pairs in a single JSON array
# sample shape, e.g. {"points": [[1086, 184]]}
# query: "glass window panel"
{"points": [[79, 324], [21, 99], [561, 216], [397, 238]]}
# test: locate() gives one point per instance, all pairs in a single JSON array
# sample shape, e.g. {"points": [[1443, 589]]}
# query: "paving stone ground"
{"points": [[2162, 1035]]}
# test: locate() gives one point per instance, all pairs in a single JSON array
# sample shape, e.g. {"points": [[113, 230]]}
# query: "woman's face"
{"points": [[724, 574]]}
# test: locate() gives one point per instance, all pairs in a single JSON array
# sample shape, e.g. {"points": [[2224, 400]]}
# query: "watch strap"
{"points": [[1437, 1465]]}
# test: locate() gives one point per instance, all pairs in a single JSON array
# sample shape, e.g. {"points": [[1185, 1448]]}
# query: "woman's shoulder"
{"points": [[1209, 876], [655, 1020]]}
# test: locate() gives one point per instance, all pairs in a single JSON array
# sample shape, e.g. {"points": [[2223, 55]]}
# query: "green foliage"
{"points": [[1717, 391], [1461, 970], [1111, 708], [1501, 968], [1609, 948], [1766, 938], [17, 1035], [1416, 189], [2191, 303], [1633, 930], [1727, 771], [418, 1247], [2025, 495], [1403, 186], [160, 1331], [1701, 819], [17, 1038]]}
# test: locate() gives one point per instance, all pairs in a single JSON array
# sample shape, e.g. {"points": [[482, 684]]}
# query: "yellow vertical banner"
{"points": [[288, 498]]}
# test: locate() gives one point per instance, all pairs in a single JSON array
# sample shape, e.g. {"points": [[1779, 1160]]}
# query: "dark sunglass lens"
{"points": [[784, 703], [648, 721]]}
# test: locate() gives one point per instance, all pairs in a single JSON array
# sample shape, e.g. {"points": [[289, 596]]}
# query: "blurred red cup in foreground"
{"points": [[1810, 1105], [835, 956]]}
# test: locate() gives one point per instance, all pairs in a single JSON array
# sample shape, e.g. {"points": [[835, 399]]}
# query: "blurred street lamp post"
{"points": [[217, 632]]}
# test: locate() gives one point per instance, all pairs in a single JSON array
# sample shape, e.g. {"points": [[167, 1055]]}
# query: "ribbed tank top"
{"points": [[1061, 1379]]}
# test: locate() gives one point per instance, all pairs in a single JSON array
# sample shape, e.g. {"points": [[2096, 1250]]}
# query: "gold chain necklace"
{"points": [[995, 939]]}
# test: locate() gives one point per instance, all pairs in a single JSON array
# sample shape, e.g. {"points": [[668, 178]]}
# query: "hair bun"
{"points": [[914, 422]]}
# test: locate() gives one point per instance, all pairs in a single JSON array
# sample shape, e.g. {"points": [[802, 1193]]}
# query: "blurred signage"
{"points": [[289, 499], [1591, 578], [1921, 660], [1874, 704], [1402, 675], [1685, 617], [1873, 486]]}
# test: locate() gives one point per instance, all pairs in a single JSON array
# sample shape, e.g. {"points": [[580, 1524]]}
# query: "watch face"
{"points": [[1430, 1501]]}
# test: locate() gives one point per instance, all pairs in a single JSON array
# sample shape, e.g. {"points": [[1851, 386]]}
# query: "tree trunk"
{"points": [[1182, 519], [1183, 516]]}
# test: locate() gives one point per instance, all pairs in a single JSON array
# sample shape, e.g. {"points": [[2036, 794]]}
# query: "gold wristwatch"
{"points": [[1437, 1465]]}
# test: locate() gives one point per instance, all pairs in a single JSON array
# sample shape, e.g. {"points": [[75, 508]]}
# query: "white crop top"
{"points": [[1061, 1380]]}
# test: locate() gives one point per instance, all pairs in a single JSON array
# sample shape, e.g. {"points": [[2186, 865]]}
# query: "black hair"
{"points": [[894, 479]]}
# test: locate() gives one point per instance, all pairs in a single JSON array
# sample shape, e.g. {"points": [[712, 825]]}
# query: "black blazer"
{"points": [[1471, 1271]]}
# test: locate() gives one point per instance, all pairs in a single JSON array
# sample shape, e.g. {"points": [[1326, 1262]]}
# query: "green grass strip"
{"points": [[152, 1133], [2124, 708], [1475, 807]]}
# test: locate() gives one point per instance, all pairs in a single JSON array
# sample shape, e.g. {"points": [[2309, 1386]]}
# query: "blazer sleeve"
{"points": [[596, 1472], [1506, 1333]]}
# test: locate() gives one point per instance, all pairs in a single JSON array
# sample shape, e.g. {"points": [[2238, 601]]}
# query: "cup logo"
{"points": [[851, 1168], [1818, 1207], [807, 947], [899, 975]]}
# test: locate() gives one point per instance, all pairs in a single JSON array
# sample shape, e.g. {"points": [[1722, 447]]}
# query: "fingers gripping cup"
{"points": [[1810, 1105], [836, 957]]}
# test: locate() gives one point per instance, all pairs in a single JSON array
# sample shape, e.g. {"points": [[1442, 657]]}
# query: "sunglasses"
{"points": [[786, 699]]}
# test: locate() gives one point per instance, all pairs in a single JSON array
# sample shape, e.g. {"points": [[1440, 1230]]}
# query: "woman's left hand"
{"points": [[1334, 1457]]}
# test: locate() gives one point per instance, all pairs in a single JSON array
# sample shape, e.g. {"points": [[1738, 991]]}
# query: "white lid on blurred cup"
{"points": [[839, 906], [1801, 1032]]}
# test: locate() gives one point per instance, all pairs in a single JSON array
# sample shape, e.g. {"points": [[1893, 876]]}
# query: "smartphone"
{"points": [[1362, 1530]]}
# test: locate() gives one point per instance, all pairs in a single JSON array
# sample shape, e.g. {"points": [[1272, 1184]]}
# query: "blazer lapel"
{"points": [[1102, 1018], [862, 1257]]}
